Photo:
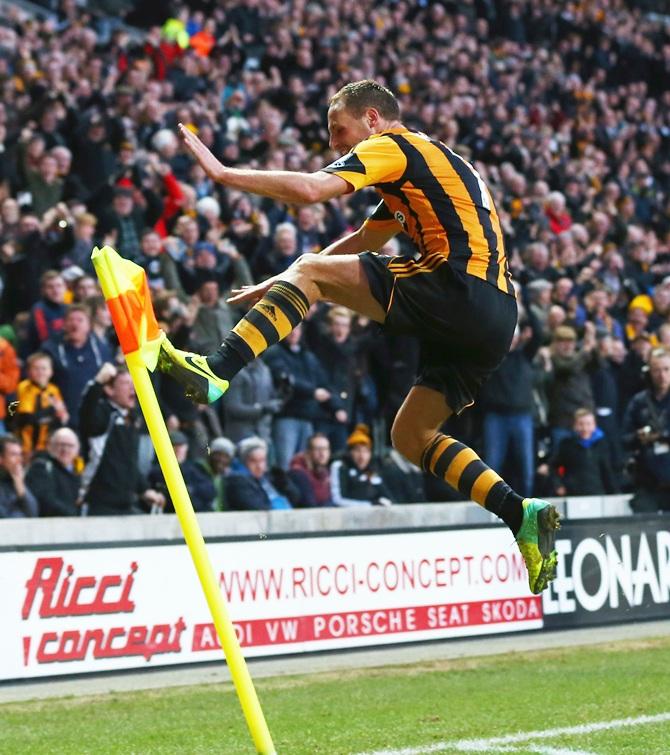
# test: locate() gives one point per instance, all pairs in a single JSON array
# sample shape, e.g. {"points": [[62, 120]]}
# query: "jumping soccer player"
{"points": [[454, 294]]}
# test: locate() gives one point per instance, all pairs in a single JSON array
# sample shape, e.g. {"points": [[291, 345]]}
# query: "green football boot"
{"points": [[192, 372], [536, 540]]}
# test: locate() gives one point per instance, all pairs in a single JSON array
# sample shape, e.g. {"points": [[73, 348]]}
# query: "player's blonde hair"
{"points": [[357, 96]]}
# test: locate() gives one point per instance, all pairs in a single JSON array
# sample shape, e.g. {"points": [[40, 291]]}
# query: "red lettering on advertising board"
{"points": [[64, 595], [116, 642], [376, 577], [383, 621], [26, 650]]}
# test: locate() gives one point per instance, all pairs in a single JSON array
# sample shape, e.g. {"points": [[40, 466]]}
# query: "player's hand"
{"points": [[250, 294], [212, 167]]}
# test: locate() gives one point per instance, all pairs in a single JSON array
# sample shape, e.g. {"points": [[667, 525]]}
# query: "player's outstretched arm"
{"points": [[282, 185]]}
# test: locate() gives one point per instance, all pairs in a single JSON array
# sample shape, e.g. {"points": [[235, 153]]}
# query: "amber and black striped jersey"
{"points": [[433, 195]]}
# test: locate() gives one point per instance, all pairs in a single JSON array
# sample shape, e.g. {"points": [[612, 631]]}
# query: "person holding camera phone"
{"points": [[646, 434]]}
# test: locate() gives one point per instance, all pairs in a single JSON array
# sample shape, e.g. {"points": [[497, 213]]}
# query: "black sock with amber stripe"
{"points": [[460, 466], [269, 320]]}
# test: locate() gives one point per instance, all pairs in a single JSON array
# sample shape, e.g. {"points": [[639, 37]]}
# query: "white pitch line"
{"points": [[498, 743], [540, 749]]}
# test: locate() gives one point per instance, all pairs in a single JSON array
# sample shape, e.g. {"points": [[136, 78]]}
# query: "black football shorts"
{"points": [[464, 324]]}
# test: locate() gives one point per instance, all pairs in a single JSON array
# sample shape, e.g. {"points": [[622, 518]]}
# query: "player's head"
{"points": [[359, 109]]}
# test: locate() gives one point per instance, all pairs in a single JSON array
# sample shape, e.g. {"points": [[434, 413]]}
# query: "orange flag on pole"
{"points": [[126, 290]]}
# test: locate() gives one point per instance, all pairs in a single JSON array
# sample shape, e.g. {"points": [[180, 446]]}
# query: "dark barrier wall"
{"points": [[610, 570]]}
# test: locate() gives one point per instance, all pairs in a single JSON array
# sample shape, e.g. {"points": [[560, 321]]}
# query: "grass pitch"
{"points": [[427, 707]]}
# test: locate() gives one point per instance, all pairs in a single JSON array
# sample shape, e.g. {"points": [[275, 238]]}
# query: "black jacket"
{"points": [[111, 481], [652, 468], [305, 374], [199, 484], [586, 471], [11, 505], [246, 493], [55, 487], [351, 486], [510, 388]]}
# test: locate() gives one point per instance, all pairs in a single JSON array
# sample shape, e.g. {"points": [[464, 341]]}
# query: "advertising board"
{"points": [[610, 570], [101, 608]]}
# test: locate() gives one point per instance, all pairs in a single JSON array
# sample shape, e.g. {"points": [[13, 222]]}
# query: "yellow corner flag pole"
{"points": [[126, 290]]}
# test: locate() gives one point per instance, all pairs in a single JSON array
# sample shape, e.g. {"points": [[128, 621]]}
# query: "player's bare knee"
{"points": [[307, 271], [308, 266]]}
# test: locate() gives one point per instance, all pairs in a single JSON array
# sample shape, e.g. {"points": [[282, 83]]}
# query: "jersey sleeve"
{"points": [[373, 161], [381, 219]]}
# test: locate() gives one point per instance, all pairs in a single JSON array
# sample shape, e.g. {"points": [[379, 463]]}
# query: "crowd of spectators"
{"points": [[562, 107]]}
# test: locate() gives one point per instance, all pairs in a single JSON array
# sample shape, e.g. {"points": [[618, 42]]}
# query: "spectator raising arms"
{"points": [[112, 483]]}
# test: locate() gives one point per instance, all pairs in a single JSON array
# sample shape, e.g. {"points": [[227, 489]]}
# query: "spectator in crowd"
{"points": [[54, 475], [404, 481], [16, 498], [284, 251], [255, 488], [337, 353], [44, 184], [101, 319], [218, 466], [112, 483], [312, 468], [77, 355], [9, 378], [606, 394], [40, 409], [633, 370], [646, 436], [507, 403], [581, 463], [161, 269], [124, 223], [356, 480], [79, 245], [539, 294], [84, 287], [214, 318], [251, 404], [199, 484], [569, 386], [310, 238], [47, 315], [309, 400]]}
